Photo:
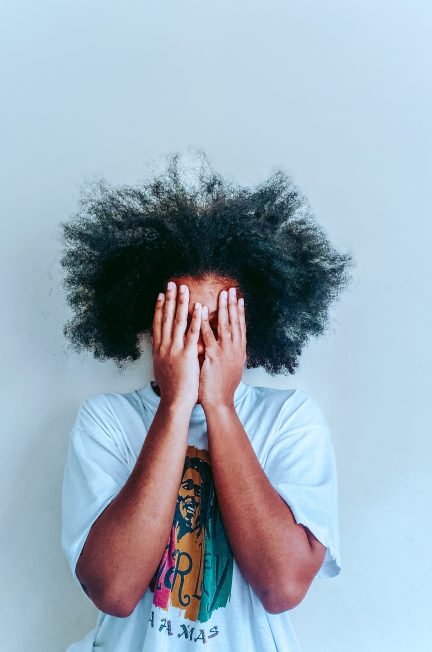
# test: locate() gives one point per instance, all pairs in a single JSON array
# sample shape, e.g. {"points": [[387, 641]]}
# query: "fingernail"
{"points": [[241, 302], [205, 311], [160, 296], [182, 288], [171, 285]]}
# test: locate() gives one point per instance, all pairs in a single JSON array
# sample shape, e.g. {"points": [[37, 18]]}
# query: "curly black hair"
{"points": [[125, 242]]}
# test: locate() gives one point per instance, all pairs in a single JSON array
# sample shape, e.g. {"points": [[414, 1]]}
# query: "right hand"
{"points": [[175, 352]]}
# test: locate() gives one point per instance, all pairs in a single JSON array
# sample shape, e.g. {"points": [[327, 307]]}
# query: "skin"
{"points": [[127, 540], [205, 292], [289, 554]]}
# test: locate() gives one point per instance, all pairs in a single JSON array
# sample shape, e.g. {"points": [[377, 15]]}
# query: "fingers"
{"points": [[181, 314], [234, 316], [229, 327], [193, 332], [207, 333], [171, 316], [168, 314], [157, 320], [242, 320], [224, 328]]}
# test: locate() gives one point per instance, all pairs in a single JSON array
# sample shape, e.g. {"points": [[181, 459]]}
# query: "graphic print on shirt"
{"points": [[195, 572]]}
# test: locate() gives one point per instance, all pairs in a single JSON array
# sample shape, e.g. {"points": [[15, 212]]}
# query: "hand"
{"points": [[175, 353], [222, 368]]}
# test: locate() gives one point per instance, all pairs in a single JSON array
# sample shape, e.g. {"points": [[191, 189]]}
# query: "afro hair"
{"points": [[125, 242]]}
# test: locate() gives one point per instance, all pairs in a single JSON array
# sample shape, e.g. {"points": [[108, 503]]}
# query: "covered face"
{"points": [[205, 291]]}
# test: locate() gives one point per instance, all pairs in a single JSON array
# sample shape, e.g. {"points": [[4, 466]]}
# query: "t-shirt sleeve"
{"points": [[301, 466], [94, 473]]}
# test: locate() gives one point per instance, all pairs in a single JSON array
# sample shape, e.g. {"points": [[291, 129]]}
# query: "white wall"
{"points": [[337, 93]]}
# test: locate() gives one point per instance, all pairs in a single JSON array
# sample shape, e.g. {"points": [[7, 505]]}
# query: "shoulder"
{"points": [[106, 411], [294, 406], [304, 411]]}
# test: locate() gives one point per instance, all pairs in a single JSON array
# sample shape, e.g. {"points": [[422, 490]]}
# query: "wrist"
{"points": [[179, 408], [222, 407]]}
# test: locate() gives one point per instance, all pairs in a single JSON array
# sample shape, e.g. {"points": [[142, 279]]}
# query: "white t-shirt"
{"points": [[198, 595]]}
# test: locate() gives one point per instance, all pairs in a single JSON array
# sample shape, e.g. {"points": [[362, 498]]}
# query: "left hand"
{"points": [[222, 368]]}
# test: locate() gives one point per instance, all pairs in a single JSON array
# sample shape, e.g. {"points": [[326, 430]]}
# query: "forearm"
{"points": [[271, 549], [126, 542]]}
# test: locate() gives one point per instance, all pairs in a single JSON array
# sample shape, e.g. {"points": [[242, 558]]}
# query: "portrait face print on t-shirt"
{"points": [[195, 572], [192, 490]]}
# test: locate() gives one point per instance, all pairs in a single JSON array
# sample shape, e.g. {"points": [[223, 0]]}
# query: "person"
{"points": [[198, 509]]}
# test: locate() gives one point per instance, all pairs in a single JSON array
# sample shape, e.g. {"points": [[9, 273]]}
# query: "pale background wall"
{"points": [[338, 93]]}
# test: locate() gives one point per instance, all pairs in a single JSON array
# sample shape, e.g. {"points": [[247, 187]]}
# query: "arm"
{"points": [[278, 557], [127, 541]]}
